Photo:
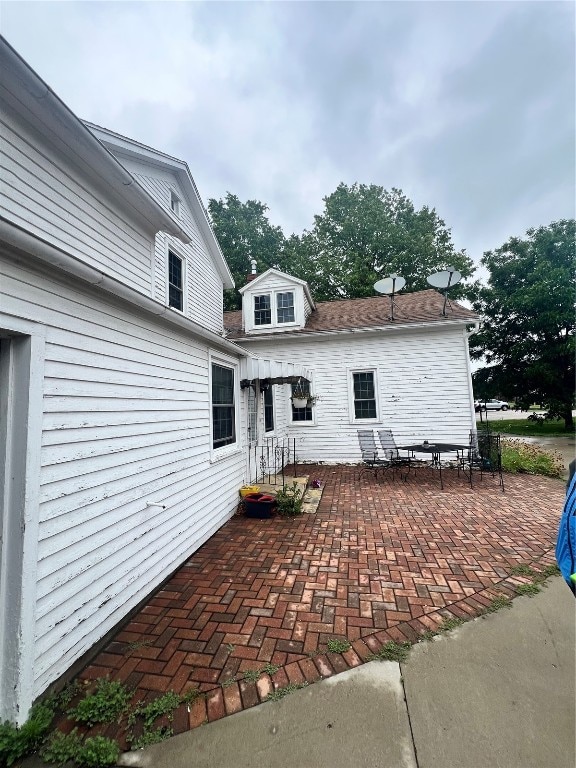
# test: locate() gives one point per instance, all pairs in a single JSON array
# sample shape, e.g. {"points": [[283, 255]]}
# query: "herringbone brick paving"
{"points": [[378, 561]]}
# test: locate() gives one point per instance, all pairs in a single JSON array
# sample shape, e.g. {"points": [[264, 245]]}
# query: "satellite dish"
{"points": [[390, 286], [444, 280]]}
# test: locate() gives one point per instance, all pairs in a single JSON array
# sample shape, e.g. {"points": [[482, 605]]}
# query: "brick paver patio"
{"points": [[378, 561]]}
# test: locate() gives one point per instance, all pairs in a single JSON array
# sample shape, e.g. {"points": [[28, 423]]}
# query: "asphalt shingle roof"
{"points": [[373, 312]]}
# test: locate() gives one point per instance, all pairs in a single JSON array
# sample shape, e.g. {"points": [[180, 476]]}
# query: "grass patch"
{"points": [[392, 651], [280, 693], [338, 646], [520, 457], [528, 427]]}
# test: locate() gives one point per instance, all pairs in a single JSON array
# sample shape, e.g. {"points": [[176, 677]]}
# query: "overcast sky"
{"points": [[468, 107]]}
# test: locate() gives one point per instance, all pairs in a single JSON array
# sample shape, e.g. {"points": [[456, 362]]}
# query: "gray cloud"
{"points": [[467, 106]]}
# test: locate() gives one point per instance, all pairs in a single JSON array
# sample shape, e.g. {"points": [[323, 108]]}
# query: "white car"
{"points": [[491, 405]]}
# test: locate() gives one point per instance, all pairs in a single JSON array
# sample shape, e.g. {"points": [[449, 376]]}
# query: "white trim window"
{"points": [[285, 307], [224, 413], [262, 309], [363, 395], [274, 308], [176, 281]]}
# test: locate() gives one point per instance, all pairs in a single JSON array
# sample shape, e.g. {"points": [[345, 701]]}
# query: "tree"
{"points": [[244, 233], [527, 334], [366, 233]]}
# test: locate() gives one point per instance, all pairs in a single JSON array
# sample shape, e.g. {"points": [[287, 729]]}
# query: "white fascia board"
{"points": [[45, 252], [283, 276], [131, 148], [31, 98], [405, 328]]}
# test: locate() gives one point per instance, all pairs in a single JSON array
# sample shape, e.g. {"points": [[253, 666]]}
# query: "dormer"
{"points": [[275, 302]]}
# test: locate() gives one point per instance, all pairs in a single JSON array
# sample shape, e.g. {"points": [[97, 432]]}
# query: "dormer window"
{"points": [[278, 305], [262, 310], [174, 203], [285, 307]]}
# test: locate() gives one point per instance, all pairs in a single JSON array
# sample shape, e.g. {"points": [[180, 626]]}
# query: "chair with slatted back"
{"points": [[391, 452], [371, 459]]}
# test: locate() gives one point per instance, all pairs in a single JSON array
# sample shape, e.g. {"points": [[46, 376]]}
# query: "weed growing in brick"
{"points": [[62, 748], [499, 602], [154, 736], [522, 570], [270, 669], [280, 693], [392, 651], [449, 624], [252, 675], [528, 589], [228, 683], [338, 646], [107, 703], [18, 742], [158, 707]]}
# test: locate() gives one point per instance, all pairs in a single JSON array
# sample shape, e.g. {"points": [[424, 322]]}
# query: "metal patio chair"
{"points": [[391, 452], [371, 458], [484, 455]]}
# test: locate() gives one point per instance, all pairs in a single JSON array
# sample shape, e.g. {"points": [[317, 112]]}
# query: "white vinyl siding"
{"points": [[51, 199], [126, 421], [422, 390]]}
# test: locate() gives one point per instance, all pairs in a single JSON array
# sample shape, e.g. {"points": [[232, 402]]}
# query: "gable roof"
{"points": [[418, 308], [31, 98], [124, 146], [284, 276]]}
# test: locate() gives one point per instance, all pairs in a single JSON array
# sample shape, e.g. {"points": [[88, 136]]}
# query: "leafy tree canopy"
{"points": [[244, 233], [527, 335], [366, 233]]}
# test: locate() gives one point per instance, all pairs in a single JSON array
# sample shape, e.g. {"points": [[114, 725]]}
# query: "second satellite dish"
{"points": [[445, 279], [390, 285]]}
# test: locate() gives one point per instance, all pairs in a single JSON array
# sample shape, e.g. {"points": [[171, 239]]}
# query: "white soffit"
{"points": [[277, 372]]}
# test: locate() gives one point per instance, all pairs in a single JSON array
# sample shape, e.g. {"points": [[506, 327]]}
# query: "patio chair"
{"points": [[484, 455], [390, 449], [370, 457]]}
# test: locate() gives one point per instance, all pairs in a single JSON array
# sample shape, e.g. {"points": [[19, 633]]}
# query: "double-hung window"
{"points": [[262, 310], [223, 406], [175, 281], [364, 395], [276, 308], [285, 307]]}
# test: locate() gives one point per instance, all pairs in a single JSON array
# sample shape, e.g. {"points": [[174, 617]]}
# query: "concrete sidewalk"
{"points": [[498, 692]]}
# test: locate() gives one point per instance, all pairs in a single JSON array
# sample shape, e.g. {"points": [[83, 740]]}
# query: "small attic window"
{"points": [[174, 203]]}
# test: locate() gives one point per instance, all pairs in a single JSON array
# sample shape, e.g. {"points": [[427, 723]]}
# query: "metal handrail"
{"points": [[270, 457]]}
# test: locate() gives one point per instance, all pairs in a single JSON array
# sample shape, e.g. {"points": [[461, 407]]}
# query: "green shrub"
{"points": [[518, 456], [289, 501], [18, 742], [108, 701]]}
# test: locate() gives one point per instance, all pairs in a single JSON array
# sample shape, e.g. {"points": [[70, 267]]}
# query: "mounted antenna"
{"points": [[390, 286], [444, 280]]}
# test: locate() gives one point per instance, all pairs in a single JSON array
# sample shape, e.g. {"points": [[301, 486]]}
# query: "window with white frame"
{"points": [[364, 395], [302, 414], [223, 406], [175, 281], [276, 308], [285, 307], [262, 310]]}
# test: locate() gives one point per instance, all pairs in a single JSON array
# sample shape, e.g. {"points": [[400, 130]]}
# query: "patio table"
{"points": [[435, 450]]}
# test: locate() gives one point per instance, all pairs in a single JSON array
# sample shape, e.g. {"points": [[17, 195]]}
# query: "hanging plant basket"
{"points": [[299, 402]]}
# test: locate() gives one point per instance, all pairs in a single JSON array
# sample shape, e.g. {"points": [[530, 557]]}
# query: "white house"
{"points": [[120, 399], [410, 374]]}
